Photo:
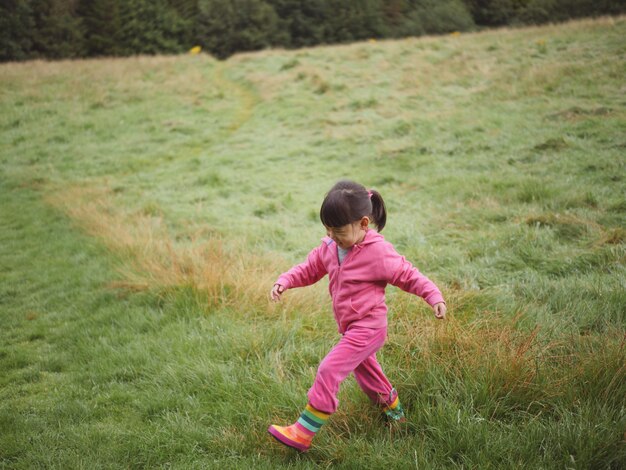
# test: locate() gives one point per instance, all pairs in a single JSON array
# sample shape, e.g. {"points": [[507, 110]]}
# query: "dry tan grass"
{"points": [[224, 275], [572, 225], [509, 360], [99, 82]]}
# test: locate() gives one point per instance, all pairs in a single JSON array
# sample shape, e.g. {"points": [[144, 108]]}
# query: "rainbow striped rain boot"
{"points": [[394, 412], [300, 434]]}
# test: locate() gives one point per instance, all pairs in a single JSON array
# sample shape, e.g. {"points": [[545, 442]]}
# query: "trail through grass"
{"points": [[147, 205]]}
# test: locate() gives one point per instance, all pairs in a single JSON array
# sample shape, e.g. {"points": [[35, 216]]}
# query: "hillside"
{"points": [[148, 203]]}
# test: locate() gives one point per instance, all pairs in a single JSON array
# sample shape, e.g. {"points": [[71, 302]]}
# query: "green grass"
{"points": [[147, 204]]}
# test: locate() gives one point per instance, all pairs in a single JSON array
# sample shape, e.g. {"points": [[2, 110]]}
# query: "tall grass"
{"points": [[148, 204], [149, 259]]}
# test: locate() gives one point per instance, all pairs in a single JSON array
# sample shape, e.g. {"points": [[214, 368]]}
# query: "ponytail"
{"points": [[379, 212]]}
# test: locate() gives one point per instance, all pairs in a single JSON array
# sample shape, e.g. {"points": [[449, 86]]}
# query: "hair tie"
{"points": [[369, 193]]}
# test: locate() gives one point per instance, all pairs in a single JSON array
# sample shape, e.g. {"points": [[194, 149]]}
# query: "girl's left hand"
{"points": [[440, 310], [276, 292]]}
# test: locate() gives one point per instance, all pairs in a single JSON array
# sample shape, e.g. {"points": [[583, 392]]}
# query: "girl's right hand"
{"points": [[440, 310], [277, 291]]}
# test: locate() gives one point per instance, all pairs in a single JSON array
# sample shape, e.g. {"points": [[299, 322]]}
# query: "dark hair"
{"points": [[347, 202]]}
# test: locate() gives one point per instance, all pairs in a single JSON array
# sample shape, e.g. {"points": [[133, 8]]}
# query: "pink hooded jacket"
{"points": [[357, 286]]}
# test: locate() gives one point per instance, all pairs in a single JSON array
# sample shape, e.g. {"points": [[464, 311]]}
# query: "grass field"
{"points": [[147, 204]]}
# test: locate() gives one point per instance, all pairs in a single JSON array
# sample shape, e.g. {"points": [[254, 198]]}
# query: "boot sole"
{"points": [[286, 441]]}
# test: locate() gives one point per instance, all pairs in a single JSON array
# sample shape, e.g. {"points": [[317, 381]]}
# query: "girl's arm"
{"points": [[403, 274], [304, 274]]}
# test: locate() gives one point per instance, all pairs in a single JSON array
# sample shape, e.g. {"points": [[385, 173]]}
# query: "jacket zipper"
{"points": [[337, 283], [339, 270]]}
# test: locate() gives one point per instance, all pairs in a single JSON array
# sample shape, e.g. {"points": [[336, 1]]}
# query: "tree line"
{"points": [[57, 29]]}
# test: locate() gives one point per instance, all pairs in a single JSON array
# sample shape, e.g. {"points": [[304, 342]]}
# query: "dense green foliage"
{"points": [[85, 28], [237, 25], [16, 29]]}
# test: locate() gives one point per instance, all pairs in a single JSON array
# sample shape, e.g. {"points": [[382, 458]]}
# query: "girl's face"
{"points": [[349, 235]]}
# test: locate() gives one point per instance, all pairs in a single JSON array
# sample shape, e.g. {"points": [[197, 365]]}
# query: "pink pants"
{"points": [[355, 352]]}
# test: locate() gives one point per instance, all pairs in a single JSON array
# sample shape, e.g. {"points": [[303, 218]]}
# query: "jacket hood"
{"points": [[371, 236]]}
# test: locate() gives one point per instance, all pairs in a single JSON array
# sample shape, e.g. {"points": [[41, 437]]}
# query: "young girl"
{"points": [[359, 263]]}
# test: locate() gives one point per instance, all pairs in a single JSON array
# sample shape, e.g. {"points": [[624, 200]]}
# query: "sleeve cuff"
{"points": [[283, 281], [435, 299]]}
